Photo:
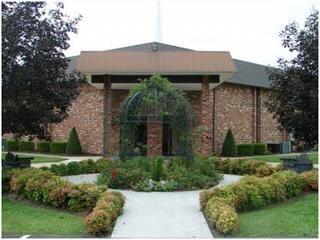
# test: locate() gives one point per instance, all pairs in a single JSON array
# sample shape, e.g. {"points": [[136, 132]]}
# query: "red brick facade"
{"points": [[86, 114], [238, 107]]}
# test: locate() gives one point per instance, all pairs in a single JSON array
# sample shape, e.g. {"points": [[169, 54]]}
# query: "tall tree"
{"points": [[294, 101], [36, 88]]}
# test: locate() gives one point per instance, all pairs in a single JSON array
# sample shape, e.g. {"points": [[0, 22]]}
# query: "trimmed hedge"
{"points": [[43, 146], [229, 148], [260, 149], [105, 213], [58, 147], [73, 144], [74, 168], [12, 145], [26, 146], [245, 149], [219, 204], [45, 187], [245, 166]]}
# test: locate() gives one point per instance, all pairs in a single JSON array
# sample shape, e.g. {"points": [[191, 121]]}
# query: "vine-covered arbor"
{"points": [[155, 119]]}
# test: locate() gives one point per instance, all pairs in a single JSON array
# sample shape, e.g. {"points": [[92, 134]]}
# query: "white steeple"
{"points": [[158, 27]]}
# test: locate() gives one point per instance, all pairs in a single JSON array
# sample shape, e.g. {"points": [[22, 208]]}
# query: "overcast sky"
{"points": [[249, 29]]}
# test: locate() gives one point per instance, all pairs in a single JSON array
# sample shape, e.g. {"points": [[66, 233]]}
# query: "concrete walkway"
{"points": [[159, 214]]}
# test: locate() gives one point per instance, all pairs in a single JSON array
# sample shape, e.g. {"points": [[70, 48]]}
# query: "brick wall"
{"points": [[270, 131], [86, 114], [235, 108], [117, 98]]}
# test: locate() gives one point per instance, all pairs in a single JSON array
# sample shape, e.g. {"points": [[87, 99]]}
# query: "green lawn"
{"points": [[39, 159], [20, 218], [295, 218], [276, 158]]}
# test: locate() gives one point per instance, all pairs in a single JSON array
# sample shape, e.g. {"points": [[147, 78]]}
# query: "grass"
{"points": [[295, 218], [276, 158], [39, 159], [22, 218]]}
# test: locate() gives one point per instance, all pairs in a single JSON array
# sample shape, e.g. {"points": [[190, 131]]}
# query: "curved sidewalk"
{"points": [[160, 214]]}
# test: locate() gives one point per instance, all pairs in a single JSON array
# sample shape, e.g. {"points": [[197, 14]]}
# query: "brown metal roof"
{"points": [[149, 62]]}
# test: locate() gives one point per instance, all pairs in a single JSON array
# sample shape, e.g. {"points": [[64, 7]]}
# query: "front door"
{"points": [[166, 140], [141, 139]]}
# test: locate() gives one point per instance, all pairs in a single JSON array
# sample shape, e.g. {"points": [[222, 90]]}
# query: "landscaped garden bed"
{"points": [[146, 174], [100, 206], [220, 205]]}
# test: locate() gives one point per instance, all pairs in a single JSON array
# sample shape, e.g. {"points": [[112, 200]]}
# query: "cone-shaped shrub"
{"points": [[229, 148], [73, 144]]}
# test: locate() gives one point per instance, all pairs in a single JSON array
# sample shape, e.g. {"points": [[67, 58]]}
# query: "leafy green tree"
{"points": [[229, 148], [36, 87], [294, 99], [73, 144]]}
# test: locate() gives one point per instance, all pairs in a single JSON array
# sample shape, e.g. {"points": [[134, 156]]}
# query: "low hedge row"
{"points": [[26, 146], [220, 204], [12, 145], [252, 149], [44, 187], [56, 147], [75, 168], [245, 166], [43, 146]]}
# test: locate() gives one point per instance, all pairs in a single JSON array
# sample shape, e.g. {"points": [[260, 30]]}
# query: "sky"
{"points": [[249, 29]]}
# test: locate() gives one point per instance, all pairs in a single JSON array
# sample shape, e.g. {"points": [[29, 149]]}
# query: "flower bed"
{"points": [[44, 187], [220, 204], [155, 174], [245, 166]]}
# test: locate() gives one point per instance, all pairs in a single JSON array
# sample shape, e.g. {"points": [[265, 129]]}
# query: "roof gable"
{"points": [[150, 47]]}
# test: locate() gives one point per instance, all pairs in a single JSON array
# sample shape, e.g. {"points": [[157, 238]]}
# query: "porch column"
{"points": [[206, 116], [154, 138], [106, 114]]}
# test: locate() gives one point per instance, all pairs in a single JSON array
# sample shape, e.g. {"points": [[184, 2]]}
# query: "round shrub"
{"points": [[84, 196], [260, 149], [20, 178], [26, 146], [98, 222], [245, 149], [73, 144], [73, 168], [263, 171], [105, 213], [58, 147], [35, 188], [228, 221], [311, 179], [12, 145], [59, 193], [229, 148], [43, 146], [222, 216]]}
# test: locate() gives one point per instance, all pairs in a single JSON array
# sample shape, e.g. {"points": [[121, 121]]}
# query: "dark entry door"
{"points": [[166, 140], [141, 139]]}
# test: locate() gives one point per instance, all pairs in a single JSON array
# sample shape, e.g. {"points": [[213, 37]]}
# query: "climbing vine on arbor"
{"points": [[155, 100]]}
